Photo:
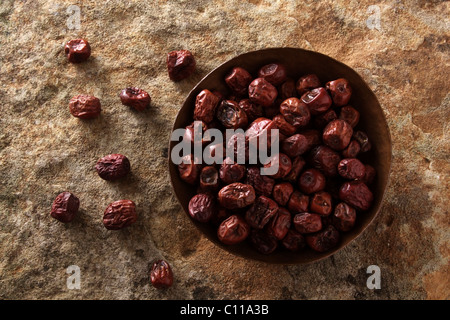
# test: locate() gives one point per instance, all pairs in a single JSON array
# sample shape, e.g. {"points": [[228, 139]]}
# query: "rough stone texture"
{"points": [[44, 150]]}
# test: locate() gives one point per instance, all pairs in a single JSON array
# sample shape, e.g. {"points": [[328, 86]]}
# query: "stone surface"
{"points": [[44, 150]]}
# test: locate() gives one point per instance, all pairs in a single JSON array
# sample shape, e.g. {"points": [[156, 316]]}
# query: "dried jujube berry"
{"points": [[337, 134], [205, 106], [340, 91], [236, 195], [325, 159], [252, 110], [363, 140], [113, 167], [119, 214], [356, 194], [262, 92], [311, 181], [295, 112], [209, 178], [344, 217], [263, 185], [298, 164], [238, 80], [349, 114], [65, 207], [233, 230], [317, 100], [202, 207], [135, 97], [189, 170], [231, 115], [284, 164], [262, 241], [275, 73], [231, 171], [161, 275], [324, 240], [298, 202], [352, 150], [285, 127], [321, 203], [351, 168], [262, 210], [85, 106], [293, 241], [282, 193], [307, 222], [77, 50], [180, 64], [307, 83], [280, 224]]}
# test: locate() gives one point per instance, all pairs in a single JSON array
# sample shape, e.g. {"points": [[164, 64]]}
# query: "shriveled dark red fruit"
{"points": [[252, 110], [325, 159], [351, 168], [307, 83], [258, 128], [321, 120], [231, 172], [300, 143], [337, 134], [161, 275], [344, 217], [113, 167], [356, 194], [135, 98], [340, 91], [77, 50], [238, 80], [298, 164], [85, 106], [285, 127], [275, 73], [237, 148], [205, 106], [324, 240], [65, 207], [349, 114], [280, 224], [369, 175], [295, 112], [363, 140], [262, 92], [180, 64], [189, 170], [189, 133], [233, 230], [263, 185], [236, 195], [282, 193], [311, 181], [321, 203], [293, 241], [231, 115], [214, 151], [284, 164], [119, 214], [298, 202], [307, 222], [263, 242], [260, 213], [209, 178], [287, 89], [317, 100], [352, 149], [202, 207]]}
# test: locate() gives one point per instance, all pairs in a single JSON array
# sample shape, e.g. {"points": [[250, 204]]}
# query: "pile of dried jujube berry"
{"points": [[320, 186], [122, 213]]}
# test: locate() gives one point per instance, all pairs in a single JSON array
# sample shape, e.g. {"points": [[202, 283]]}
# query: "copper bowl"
{"points": [[298, 63]]}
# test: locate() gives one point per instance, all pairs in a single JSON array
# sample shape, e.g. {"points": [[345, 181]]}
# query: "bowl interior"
{"points": [[298, 62]]}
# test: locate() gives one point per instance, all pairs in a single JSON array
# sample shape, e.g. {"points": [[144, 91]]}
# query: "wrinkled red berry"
{"points": [[351, 168], [252, 110], [275, 73], [307, 222], [236, 195], [344, 217], [262, 184], [325, 159], [233, 230], [321, 203], [298, 202], [231, 115], [238, 80], [282, 193], [280, 224], [231, 172], [180, 64], [307, 83], [340, 91], [65, 207], [262, 210], [119, 214], [202, 207], [293, 241], [356, 194], [349, 114], [337, 134], [209, 178], [317, 100], [262, 92], [363, 140], [205, 106], [161, 274], [113, 167], [311, 181], [295, 112], [323, 240], [189, 170], [85, 107], [135, 98], [77, 50]]}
